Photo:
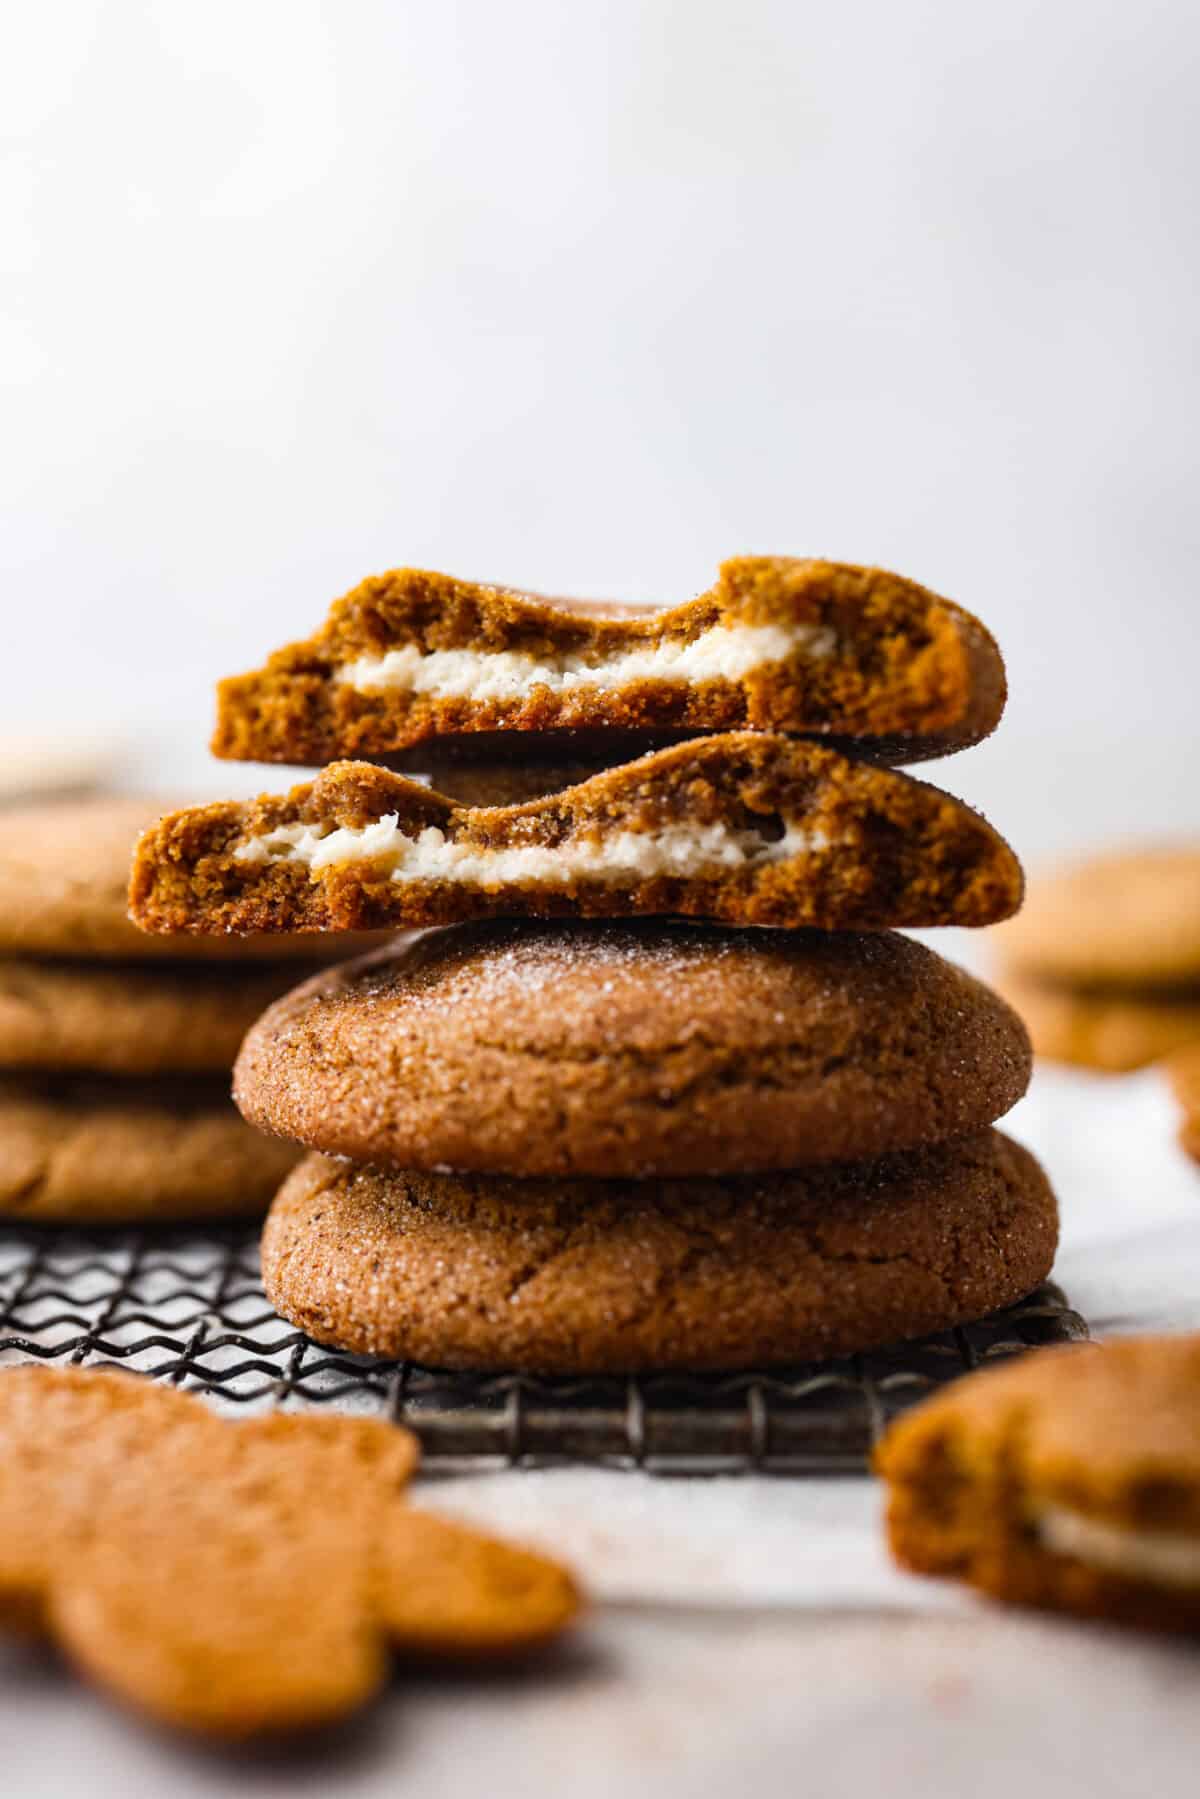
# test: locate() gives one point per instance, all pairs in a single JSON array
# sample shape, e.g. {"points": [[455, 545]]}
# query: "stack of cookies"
{"points": [[1104, 961], [586, 1114], [115, 1048]]}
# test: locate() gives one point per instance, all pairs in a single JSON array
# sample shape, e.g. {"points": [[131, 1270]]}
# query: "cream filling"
{"points": [[1162, 1558], [684, 850], [724, 653]]}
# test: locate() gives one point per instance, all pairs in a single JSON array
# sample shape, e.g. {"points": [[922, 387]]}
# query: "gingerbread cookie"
{"points": [[761, 830], [779, 644], [1102, 1028], [82, 1150], [593, 1277], [131, 1020], [240, 1578], [1129, 920], [635, 1049], [64, 881], [1068, 1479]]}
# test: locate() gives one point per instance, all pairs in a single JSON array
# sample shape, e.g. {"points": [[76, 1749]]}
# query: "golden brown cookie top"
{"points": [[1128, 918], [235, 1578], [64, 880], [655, 1046], [412, 658]]}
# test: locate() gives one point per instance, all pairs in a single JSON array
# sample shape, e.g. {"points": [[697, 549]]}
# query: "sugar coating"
{"points": [[1163, 1558], [723, 653], [681, 850]]}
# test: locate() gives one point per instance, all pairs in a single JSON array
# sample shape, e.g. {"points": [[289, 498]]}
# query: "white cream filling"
{"points": [[724, 653], [684, 850], [1163, 1558]]}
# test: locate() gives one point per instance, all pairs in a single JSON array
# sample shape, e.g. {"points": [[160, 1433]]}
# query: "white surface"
{"points": [[587, 297], [752, 1631]]}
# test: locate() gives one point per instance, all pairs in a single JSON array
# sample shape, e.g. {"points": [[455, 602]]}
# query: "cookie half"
{"points": [[1103, 1028], [779, 644], [131, 1020], [64, 890], [639, 1049], [1068, 1479], [1128, 920], [86, 1151], [591, 1277], [748, 829]]}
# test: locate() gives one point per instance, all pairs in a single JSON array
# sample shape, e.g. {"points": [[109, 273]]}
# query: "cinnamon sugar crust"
{"points": [[744, 828], [591, 1277], [647, 1048], [832, 649]]}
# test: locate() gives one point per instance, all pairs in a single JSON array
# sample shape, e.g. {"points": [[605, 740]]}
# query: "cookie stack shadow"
{"points": [[664, 1088]]}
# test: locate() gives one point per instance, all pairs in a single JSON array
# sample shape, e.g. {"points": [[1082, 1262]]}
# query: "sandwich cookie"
{"points": [[411, 659], [64, 883], [632, 1050], [1185, 1079], [1069, 1479], [745, 828], [87, 1151], [593, 1277]]}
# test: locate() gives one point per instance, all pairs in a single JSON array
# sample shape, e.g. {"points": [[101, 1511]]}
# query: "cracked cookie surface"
{"points": [[1068, 1479], [75, 1149], [597, 1277], [745, 828], [630, 1049]]}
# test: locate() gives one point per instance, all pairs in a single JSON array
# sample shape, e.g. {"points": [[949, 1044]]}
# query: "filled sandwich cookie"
{"points": [[1069, 1479], [760, 830], [411, 658]]}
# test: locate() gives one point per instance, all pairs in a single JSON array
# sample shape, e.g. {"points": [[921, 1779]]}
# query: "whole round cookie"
{"points": [[1068, 1479], [1102, 1028], [129, 1019], [64, 886], [591, 1277], [654, 1047], [86, 1151], [1127, 919]]}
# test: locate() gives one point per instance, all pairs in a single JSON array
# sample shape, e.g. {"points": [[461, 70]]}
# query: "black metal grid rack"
{"points": [[188, 1307]]}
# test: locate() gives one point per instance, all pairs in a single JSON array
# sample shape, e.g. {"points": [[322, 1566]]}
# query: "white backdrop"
{"points": [[587, 297]]}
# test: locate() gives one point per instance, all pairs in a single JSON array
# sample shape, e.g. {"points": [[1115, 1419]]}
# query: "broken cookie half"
{"points": [[744, 828], [411, 664]]}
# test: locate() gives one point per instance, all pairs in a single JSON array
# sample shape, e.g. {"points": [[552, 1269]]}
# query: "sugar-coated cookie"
{"points": [[748, 829], [1102, 1028], [593, 1277], [238, 1578], [83, 1150], [130, 1019], [411, 658], [632, 1049], [64, 889], [1128, 919], [1068, 1479]]}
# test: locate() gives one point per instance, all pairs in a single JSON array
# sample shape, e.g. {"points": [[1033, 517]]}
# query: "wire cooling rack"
{"points": [[189, 1308]]}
